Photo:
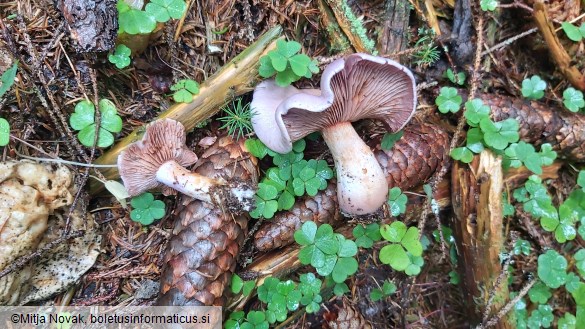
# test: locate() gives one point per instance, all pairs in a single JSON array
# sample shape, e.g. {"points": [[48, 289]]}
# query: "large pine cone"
{"points": [[202, 253]]}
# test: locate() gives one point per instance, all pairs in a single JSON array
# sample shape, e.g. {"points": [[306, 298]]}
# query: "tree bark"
{"points": [[477, 203]]}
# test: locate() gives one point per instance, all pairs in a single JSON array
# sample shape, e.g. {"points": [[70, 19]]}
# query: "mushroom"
{"points": [[158, 161], [357, 87]]}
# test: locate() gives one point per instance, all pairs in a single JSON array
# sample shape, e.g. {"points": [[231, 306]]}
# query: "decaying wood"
{"points": [[539, 124], [477, 204], [391, 38], [411, 162], [237, 77], [201, 255], [340, 10], [93, 24], [337, 39], [557, 51]]}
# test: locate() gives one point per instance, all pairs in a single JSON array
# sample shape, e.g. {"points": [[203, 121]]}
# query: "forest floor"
{"points": [[496, 50]]}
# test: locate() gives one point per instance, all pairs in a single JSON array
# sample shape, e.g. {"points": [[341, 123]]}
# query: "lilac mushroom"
{"points": [[357, 87], [158, 160]]}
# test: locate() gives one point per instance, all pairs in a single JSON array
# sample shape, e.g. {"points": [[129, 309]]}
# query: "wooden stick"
{"points": [[557, 51], [237, 77], [476, 191]]}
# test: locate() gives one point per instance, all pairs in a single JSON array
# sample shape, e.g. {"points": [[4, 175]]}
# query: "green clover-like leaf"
{"points": [[539, 293], [552, 269], [164, 10], [488, 5], [533, 88], [397, 201], [572, 31], [389, 140], [573, 99], [448, 100], [134, 21], [393, 232], [120, 57], [462, 154], [4, 132], [7, 78], [395, 256], [146, 209], [475, 111]]}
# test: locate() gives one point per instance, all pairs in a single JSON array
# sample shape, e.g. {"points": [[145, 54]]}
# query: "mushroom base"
{"points": [[361, 184]]}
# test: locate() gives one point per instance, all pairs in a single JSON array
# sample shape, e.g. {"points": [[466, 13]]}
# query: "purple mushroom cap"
{"points": [[357, 87]]}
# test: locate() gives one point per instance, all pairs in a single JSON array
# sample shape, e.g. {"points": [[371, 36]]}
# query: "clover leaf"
{"points": [[538, 202], [552, 269], [83, 120], [454, 278], [397, 201], [499, 134], [366, 236], [235, 320], [415, 266], [164, 10], [256, 147], [184, 90], [539, 293], [266, 205], [255, 320], [533, 88], [521, 247], [120, 57], [568, 321], [4, 132], [458, 78], [310, 288], [146, 209], [306, 181], [573, 32], [581, 179], [402, 239], [287, 64], [448, 100], [475, 111], [541, 317], [389, 140], [488, 5], [328, 252], [573, 99], [388, 288], [572, 283], [134, 21], [580, 262], [462, 154]]}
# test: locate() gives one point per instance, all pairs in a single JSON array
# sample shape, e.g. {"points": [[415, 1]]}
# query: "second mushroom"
{"points": [[357, 87]]}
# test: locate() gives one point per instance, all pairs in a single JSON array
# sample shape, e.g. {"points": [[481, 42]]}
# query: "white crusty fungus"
{"points": [[34, 204]]}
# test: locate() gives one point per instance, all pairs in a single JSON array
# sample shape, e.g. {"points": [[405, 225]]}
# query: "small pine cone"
{"points": [[202, 252], [278, 232], [540, 123], [347, 317], [422, 150]]}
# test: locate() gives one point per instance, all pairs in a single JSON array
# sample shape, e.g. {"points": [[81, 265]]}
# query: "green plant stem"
{"points": [[237, 77]]}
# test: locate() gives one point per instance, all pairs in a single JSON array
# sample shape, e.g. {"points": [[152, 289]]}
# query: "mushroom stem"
{"points": [[236, 195], [194, 185], [361, 184]]}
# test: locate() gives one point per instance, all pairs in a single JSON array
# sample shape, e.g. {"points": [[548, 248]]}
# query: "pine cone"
{"points": [[347, 317], [422, 150], [539, 123], [202, 252]]}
